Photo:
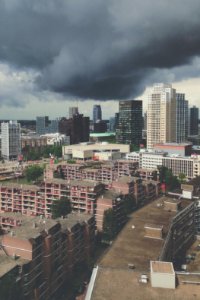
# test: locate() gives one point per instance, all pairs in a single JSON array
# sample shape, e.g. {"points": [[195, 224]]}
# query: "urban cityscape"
{"points": [[99, 150], [100, 198]]}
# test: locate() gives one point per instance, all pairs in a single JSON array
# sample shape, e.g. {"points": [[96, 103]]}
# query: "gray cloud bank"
{"points": [[99, 49]]}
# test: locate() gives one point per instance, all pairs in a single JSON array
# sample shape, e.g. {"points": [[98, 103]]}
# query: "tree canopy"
{"points": [[61, 207], [33, 172], [166, 176], [37, 153]]}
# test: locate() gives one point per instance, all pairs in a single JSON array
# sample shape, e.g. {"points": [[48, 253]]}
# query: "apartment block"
{"points": [[105, 172], [82, 194], [110, 200], [46, 251]]}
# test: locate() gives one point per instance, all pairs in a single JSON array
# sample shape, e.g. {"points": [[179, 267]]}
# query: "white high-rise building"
{"points": [[181, 118], [161, 115], [10, 140]]}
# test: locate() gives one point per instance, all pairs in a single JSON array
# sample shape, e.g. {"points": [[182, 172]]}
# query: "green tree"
{"points": [[166, 176], [61, 207], [110, 226], [181, 177], [134, 148], [32, 173]]}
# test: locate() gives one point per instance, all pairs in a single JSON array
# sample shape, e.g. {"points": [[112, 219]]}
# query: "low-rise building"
{"points": [[46, 251], [90, 151], [182, 149]]}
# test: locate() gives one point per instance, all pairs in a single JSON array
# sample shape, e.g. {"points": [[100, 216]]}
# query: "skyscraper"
{"points": [[73, 110], [10, 140], [97, 114], [44, 125], [181, 118], [161, 115], [194, 120], [129, 128], [77, 128]]}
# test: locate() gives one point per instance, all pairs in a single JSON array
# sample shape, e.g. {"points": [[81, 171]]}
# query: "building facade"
{"points": [[129, 127], [194, 120], [161, 115], [73, 110], [77, 128], [181, 118], [45, 251], [10, 140], [97, 113], [44, 125]]}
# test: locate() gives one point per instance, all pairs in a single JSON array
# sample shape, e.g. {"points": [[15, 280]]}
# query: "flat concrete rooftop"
{"points": [[162, 267], [26, 187], [131, 246], [119, 284], [32, 226], [8, 263], [72, 219]]}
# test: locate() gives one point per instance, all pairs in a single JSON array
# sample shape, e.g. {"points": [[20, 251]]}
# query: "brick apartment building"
{"points": [[110, 200], [33, 200], [105, 172], [41, 253]]}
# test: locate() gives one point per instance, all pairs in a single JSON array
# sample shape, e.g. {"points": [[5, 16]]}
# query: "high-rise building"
{"points": [[181, 118], [44, 125], [145, 121], [194, 120], [161, 115], [77, 128], [97, 114], [73, 110], [129, 128], [10, 140]]}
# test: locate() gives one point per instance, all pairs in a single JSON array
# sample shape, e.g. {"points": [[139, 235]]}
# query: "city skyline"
{"points": [[109, 108], [50, 56]]}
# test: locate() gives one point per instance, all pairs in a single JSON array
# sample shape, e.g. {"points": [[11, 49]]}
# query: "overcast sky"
{"points": [[59, 53]]}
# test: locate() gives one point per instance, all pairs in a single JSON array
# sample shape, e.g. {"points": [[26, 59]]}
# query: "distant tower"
{"points": [[129, 127], [194, 120], [73, 110], [10, 140], [97, 114]]}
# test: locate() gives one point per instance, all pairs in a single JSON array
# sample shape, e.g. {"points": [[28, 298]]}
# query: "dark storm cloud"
{"points": [[98, 49]]}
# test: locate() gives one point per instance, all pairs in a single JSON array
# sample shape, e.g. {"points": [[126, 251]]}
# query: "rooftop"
{"points": [[72, 219], [124, 284], [162, 267], [131, 245], [31, 227], [115, 280], [125, 179], [8, 263], [110, 194], [28, 187]]}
